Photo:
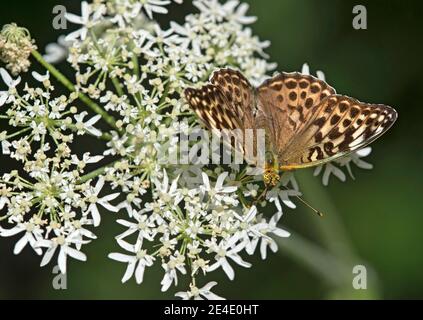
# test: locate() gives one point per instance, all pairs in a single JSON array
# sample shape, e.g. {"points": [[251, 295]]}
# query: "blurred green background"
{"points": [[375, 220]]}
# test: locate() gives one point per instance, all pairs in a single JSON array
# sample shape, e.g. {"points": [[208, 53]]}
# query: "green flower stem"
{"points": [[95, 173], [165, 93], [330, 227], [106, 136], [321, 262], [136, 66], [335, 258], [70, 86], [17, 133], [117, 86]]}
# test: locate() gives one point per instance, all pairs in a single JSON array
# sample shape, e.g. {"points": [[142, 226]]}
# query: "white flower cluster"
{"points": [[47, 200], [130, 74], [201, 228]]}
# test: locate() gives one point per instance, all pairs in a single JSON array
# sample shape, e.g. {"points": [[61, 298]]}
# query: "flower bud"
{"points": [[15, 48]]}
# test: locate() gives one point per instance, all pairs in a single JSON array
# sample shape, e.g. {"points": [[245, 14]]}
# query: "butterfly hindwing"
{"points": [[338, 126]]}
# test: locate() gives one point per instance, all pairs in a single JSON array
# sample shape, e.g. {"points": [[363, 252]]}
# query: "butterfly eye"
{"points": [[269, 158]]}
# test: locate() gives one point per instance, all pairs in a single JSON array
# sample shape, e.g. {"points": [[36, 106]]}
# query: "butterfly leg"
{"points": [[261, 196]]}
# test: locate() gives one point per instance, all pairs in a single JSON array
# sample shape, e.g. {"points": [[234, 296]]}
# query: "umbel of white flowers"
{"points": [[129, 75]]}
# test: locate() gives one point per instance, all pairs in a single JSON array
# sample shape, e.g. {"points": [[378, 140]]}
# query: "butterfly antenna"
{"points": [[319, 213]]}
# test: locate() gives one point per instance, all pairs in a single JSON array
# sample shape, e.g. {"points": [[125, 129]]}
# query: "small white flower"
{"points": [[86, 159], [32, 234], [5, 145], [329, 169], [252, 190], [64, 243], [355, 158], [218, 190], [40, 77], [276, 195], [87, 126], [6, 96], [228, 249], [57, 52], [166, 192], [154, 6], [84, 20], [94, 200], [200, 293], [171, 268], [271, 228], [249, 232], [136, 263], [143, 225], [186, 36], [236, 12], [78, 232]]}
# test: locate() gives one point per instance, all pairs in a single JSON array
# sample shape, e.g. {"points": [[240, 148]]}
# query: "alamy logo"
{"points": [[60, 281], [360, 277], [59, 21], [360, 20], [199, 146]]}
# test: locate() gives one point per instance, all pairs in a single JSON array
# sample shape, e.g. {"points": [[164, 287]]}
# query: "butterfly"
{"points": [[306, 122]]}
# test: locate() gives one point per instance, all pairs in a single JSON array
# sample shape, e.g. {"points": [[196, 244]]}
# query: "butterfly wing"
{"points": [[226, 103], [313, 125], [239, 94], [338, 126], [212, 107], [288, 100]]}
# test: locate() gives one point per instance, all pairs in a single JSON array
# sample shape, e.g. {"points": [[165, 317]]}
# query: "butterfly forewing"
{"points": [[235, 86], [239, 94], [227, 103], [338, 126], [211, 106], [218, 114]]}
